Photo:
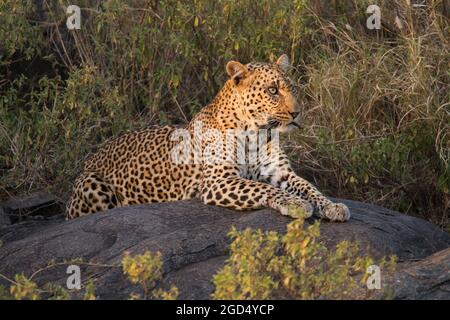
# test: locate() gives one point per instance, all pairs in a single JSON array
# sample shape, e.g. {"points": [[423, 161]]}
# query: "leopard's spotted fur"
{"points": [[138, 167]]}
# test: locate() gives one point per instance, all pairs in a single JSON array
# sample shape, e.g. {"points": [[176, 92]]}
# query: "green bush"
{"points": [[296, 265], [144, 270]]}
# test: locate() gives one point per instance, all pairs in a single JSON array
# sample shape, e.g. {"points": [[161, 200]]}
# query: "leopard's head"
{"points": [[265, 96]]}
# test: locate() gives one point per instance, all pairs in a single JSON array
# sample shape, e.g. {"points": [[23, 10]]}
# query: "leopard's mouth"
{"points": [[276, 124]]}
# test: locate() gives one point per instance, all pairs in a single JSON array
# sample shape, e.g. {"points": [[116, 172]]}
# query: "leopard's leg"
{"points": [[277, 170], [224, 187], [91, 194], [298, 186]]}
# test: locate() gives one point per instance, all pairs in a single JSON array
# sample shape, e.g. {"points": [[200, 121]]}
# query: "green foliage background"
{"points": [[376, 102]]}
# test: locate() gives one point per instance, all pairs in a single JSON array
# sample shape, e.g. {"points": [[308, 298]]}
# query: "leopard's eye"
{"points": [[272, 90]]}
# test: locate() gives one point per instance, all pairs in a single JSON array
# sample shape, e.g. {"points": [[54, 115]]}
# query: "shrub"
{"points": [[24, 288], [146, 270], [296, 265]]}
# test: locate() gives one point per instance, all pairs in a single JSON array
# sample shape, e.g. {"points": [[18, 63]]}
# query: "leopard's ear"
{"points": [[283, 62], [236, 71]]}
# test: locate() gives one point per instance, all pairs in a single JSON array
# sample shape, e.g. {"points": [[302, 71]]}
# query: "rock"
{"points": [[193, 240], [39, 205], [4, 218], [425, 279]]}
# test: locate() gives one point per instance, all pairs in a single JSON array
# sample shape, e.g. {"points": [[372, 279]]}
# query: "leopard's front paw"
{"points": [[337, 212], [297, 208]]}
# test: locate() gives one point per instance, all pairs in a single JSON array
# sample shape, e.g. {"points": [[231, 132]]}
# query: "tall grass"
{"points": [[377, 125], [376, 102]]}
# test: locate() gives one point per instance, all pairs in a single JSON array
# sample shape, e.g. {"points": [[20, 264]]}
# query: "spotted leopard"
{"points": [[140, 167]]}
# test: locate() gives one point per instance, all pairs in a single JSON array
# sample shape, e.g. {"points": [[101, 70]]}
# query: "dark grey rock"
{"points": [[4, 218], [193, 240], [425, 279], [36, 206]]}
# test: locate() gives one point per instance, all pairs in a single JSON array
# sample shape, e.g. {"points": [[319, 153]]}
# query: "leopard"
{"points": [[160, 164]]}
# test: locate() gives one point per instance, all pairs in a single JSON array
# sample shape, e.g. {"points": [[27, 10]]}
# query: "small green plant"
{"points": [[295, 265], [146, 270], [24, 289], [90, 291], [4, 294]]}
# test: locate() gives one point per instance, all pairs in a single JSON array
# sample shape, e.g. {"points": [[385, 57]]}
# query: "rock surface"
{"points": [[193, 240], [36, 206], [4, 218], [425, 279]]}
